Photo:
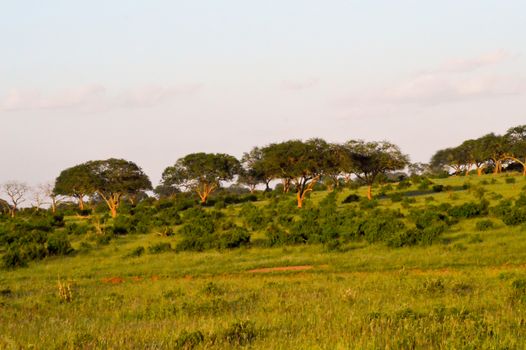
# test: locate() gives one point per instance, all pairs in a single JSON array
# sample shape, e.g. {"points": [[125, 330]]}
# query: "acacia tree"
{"points": [[300, 162], [201, 172], [516, 145], [254, 170], [16, 191], [75, 182], [332, 167], [454, 158], [112, 179], [370, 159], [495, 148]]}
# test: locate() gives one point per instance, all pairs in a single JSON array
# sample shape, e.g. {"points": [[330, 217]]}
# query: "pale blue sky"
{"points": [[151, 81]]}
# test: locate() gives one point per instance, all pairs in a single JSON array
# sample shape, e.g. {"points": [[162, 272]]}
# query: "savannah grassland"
{"points": [[466, 292]]}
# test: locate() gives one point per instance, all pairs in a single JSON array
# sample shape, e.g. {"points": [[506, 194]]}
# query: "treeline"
{"points": [[490, 152], [298, 165]]}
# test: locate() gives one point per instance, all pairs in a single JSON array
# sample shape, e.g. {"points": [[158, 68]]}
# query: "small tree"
{"points": [[370, 159], [301, 163], [114, 178], [16, 192], [75, 182], [201, 172]]}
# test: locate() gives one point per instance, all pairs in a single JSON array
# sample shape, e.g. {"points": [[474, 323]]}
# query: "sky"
{"points": [[152, 81]]}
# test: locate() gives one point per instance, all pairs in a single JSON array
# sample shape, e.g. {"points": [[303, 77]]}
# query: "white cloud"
{"points": [[452, 81], [464, 65], [437, 88], [93, 97]]}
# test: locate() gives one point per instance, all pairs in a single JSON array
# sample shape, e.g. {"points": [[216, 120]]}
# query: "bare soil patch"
{"points": [[282, 268]]}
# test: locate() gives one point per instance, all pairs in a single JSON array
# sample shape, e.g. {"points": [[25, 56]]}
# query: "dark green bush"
{"points": [[381, 227], [510, 180], [233, 238], [352, 198], [13, 258], [59, 244], [469, 210], [74, 228], [515, 216], [438, 188]]}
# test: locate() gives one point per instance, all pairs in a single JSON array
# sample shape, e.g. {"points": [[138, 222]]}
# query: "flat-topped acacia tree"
{"points": [[300, 162], [369, 159], [114, 178], [201, 173], [74, 182]]}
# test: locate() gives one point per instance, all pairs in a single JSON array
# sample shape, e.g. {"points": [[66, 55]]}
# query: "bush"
{"points": [[515, 216], [59, 244], [381, 227], [510, 180], [137, 252], [484, 225], [13, 258], [159, 248], [469, 210], [352, 198], [233, 238], [74, 228], [438, 188], [396, 197]]}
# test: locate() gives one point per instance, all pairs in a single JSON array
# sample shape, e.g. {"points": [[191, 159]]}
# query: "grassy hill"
{"points": [[466, 290]]}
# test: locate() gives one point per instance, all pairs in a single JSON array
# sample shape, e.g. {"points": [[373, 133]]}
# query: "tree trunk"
{"points": [[81, 203], [12, 211], [299, 197], [370, 192], [113, 211], [479, 171]]}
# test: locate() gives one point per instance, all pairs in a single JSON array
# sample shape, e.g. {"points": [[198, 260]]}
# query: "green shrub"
{"points": [[381, 227], [438, 188], [13, 258], [469, 210], [396, 197], [233, 238], [137, 252], [515, 216], [484, 225], [352, 198], [59, 244], [74, 228], [158, 248], [510, 180]]}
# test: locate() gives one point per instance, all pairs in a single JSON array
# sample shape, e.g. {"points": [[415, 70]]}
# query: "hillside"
{"points": [[461, 286]]}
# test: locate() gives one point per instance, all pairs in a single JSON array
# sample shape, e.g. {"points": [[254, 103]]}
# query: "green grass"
{"points": [[460, 293]]}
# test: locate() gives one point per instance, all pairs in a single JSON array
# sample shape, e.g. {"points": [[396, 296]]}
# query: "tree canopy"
{"points": [[367, 160], [114, 178], [201, 172], [300, 162]]}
